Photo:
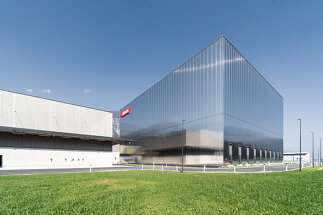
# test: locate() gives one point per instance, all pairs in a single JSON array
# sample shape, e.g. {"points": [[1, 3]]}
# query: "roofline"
{"points": [[196, 55], [23, 131], [253, 67], [54, 100], [173, 71]]}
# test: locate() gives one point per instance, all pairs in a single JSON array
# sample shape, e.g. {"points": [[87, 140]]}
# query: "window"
{"points": [[0, 161], [254, 154], [266, 154]]}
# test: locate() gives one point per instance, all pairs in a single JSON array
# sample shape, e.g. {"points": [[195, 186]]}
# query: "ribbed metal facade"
{"points": [[42, 133], [214, 101], [29, 112], [15, 141], [253, 112]]}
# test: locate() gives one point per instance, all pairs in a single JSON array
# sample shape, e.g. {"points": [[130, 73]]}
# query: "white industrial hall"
{"points": [[40, 133]]}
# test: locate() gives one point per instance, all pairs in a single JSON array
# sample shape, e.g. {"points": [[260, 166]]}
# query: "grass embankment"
{"points": [[157, 192]]}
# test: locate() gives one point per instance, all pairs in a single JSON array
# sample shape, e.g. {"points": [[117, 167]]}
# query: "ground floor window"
{"points": [[0, 161]]}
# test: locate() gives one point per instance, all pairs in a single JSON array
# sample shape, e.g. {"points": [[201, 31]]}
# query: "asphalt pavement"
{"points": [[64, 170], [237, 169]]}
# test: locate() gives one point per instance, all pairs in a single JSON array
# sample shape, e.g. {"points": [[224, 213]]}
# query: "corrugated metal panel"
{"points": [[222, 99], [253, 110], [22, 111], [193, 92]]}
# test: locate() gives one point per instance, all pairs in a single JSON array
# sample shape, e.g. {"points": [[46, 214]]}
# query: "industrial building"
{"points": [[216, 107], [42, 133], [293, 157]]}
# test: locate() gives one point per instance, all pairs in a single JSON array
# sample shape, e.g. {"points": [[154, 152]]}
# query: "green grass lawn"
{"points": [[161, 192]]}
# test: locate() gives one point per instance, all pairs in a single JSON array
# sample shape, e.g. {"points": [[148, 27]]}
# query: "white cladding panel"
{"points": [[15, 158], [294, 157], [23, 111]]}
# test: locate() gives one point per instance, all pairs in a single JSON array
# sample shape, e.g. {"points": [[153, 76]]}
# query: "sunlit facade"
{"points": [[39, 133], [216, 106]]}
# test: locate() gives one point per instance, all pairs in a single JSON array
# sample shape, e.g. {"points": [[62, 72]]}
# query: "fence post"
{"points": [[153, 165], [176, 168], [90, 168], [142, 166], [264, 167], [204, 168], [234, 169], [286, 167], [162, 166]]}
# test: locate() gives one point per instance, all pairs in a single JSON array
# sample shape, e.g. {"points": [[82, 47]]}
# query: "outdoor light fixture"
{"points": [[183, 139], [300, 144], [313, 147], [320, 152]]}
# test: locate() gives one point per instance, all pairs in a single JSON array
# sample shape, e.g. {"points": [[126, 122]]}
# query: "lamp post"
{"points": [[300, 144], [183, 140], [320, 153], [313, 147]]}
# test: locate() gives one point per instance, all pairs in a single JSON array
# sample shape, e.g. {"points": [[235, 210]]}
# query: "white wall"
{"points": [[41, 158], [295, 158], [23, 111], [116, 157], [188, 159]]}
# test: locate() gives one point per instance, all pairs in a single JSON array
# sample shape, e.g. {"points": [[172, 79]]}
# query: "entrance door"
{"points": [[0, 161]]}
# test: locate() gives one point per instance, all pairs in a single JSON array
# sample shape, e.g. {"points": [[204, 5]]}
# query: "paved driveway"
{"points": [[251, 169], [65, 170]]}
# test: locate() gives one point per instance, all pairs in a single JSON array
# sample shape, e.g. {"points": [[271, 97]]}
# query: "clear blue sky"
{"points": [[105, 53]]}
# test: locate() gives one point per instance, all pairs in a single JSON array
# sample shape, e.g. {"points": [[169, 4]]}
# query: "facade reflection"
{"points": [[231, 113]]}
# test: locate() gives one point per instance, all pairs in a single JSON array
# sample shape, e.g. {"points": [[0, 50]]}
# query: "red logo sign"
{"points": [[125, 112]]}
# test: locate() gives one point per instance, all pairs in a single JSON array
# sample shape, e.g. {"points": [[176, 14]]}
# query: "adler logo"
{"points": [[125, 112]]}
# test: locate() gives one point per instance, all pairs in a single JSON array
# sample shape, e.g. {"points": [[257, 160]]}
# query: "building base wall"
{"points": [[37, 152], [17, 158], [294, 157], [188, 159]]}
